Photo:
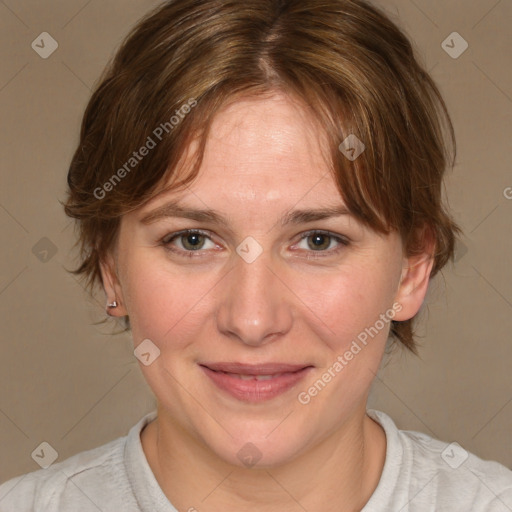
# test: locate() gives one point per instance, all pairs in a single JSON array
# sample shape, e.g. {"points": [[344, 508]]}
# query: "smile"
{"points": [[254, 383]]}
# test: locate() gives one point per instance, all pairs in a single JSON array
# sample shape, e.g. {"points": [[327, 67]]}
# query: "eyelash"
{"points": [[166, 242]]}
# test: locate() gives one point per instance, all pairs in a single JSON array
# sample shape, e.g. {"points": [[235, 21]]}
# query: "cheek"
{"points": [[162, 303], [341, 305], [167, 303], [347, 307]]}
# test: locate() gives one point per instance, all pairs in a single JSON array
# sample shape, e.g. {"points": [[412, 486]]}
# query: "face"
{"points": [[282, 293]]}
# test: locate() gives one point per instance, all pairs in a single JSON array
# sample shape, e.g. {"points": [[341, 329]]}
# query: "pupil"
{"points": [[193, 240], [319, 240]]}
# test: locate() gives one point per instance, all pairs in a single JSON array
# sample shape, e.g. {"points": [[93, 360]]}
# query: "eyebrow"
{"points": [[175, 210]]}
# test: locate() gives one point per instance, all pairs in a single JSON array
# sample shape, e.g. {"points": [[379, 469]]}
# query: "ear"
{"points": [[112, 286], [415, 276]]}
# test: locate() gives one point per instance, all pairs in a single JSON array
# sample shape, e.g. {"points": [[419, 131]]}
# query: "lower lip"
{"points": [[255, 390]]}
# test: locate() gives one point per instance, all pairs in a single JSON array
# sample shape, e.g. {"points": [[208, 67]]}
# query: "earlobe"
{"points": [[115, 301]]}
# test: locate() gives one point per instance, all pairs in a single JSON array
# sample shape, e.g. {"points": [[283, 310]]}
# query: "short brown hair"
{"points": [[345, 59]]}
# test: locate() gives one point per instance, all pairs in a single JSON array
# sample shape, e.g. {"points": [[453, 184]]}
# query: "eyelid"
{"points": [[344, 241], [170, 237]]}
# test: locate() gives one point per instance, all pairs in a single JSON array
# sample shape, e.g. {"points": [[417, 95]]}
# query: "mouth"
{"points": [[255, 383]]}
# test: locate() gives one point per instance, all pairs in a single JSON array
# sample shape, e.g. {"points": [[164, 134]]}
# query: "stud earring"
{"points": [[111, 305]]}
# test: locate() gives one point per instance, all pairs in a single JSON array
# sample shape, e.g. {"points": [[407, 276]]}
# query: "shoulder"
{"points": [[446, 474], [457, 476], [45, 488]]}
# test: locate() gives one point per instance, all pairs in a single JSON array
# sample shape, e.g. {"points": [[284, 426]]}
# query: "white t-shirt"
{"points": [[420, 474]]}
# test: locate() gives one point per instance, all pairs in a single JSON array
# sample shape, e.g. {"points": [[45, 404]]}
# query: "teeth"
{"points": [[257, 377]]}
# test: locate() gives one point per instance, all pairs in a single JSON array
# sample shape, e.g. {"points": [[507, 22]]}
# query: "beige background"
{"points": [[68, 382]]}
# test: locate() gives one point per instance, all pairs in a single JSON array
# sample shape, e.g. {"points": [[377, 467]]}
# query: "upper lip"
{"points": [[254, 369]]}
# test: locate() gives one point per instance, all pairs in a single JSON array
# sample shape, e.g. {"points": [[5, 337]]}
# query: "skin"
{"points": [[263, 159]]}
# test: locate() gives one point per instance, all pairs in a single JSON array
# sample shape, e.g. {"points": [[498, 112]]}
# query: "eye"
{"points": [[322, 242], [193, 243], [188, 242]]}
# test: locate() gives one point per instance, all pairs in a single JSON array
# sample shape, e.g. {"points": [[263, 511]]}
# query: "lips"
{"points": [[254, 369], [255, 383]]}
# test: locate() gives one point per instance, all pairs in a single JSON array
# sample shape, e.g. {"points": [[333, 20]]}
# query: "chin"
{"points": [[257, 448]]}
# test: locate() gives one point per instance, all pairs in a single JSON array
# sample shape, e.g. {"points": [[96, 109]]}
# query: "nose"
{"points": [[254, 306]]}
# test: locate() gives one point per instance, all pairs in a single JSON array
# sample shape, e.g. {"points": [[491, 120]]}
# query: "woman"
{"points": [[258, 192]]}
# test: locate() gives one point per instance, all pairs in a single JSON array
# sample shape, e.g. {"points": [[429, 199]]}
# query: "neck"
{"points": [[338, 474]]}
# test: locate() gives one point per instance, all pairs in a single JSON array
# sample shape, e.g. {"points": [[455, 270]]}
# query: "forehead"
{"points": [[260, 145]]}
